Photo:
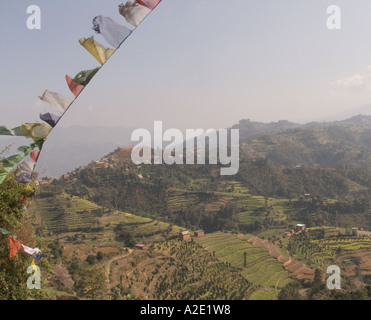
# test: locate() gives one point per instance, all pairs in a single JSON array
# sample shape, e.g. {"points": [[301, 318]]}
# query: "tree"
{"points": [[100, 255], [125, 235], [90, 284], [91, 259], [290, 292], [317, 284], [74, 266], [56, 249], [317, 281], [13, 276], [62, 279]]}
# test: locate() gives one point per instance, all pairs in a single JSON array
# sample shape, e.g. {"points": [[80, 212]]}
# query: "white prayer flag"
{"points": [[133, 13], [57, 101]]}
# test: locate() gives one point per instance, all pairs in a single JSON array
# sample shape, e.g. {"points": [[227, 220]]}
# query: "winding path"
{"points": [[109, 263]]}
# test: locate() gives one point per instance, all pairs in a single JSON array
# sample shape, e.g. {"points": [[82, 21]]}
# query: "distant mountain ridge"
{"points": [[252, 129], [336, 144], [69, 148]]}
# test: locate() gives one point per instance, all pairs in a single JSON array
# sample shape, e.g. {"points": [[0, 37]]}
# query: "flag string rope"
{"points": [[134, 13]]}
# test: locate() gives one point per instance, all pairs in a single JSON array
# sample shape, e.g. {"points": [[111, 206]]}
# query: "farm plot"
{"points": [[255, 264]]}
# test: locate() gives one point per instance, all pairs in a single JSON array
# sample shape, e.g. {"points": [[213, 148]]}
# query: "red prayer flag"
{"points": [[23, 198], [74, 87], [35, 155], [15, 245], [150, 4]]}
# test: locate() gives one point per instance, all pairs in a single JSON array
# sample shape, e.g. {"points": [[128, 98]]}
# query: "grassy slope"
{"points": [[266, 273]]}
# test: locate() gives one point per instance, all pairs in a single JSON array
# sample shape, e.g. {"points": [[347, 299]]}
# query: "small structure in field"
{"points": [[140, 246], [300, 227], [185, 235], [199, 233]]}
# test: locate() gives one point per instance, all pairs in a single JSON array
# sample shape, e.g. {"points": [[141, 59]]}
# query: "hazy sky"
{"points": [[191, 63]]}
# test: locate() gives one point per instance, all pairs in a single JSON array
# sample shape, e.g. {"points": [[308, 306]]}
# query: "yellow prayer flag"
{"points": [[98, 51], [35, 131]]}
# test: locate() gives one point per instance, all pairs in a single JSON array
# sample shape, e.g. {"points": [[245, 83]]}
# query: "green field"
{"points": [[260, 268], [72, 217], [66, 214]]}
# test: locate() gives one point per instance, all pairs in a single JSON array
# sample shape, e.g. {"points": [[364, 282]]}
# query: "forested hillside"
{"points": [[318, 175]]}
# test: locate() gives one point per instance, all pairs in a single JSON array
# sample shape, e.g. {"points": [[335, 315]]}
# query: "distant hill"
{"points": [[69, 148], [328, 145]]}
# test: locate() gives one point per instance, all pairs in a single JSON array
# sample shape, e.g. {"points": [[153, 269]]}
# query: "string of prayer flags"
{"points": [[99, 52], [84, 77], [15, 246], [57, 101], [25, 170], [114, 34], [8, 164], [111, 31], [150, 4], [133, 13]]}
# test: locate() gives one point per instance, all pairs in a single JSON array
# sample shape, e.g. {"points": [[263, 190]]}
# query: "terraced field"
{"points": [[63, 214], [329, 231], [177, 270], [179, 200], [260, 268], [277, 209], [75, 219], [247, 204], [351, 244], [145, 230]]}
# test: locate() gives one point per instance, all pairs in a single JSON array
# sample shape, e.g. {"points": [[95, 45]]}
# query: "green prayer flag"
{"points": [[26, 150], [8, 164], [84, 77], [6, 232], [3, 175], [11, 162], [4, 131], [17, 131]]}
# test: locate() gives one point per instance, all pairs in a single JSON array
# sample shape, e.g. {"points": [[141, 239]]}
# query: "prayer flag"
{"points": [[84, 77], [74, 87], [99, 52], [36, 131], [50, 119], [150, 4], [57, 101], [15, 245], [112, 32], [133, 13]]}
